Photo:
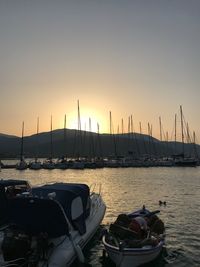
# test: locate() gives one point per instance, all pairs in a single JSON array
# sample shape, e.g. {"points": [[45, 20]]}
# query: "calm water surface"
{"points": [[126, 189]]}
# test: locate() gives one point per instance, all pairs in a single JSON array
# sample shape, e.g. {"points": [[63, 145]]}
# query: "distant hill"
{"points": [[7, 135], [90, 145]]}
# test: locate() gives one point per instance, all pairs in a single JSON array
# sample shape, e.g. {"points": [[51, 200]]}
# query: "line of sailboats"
{"points": [[91, 161]]}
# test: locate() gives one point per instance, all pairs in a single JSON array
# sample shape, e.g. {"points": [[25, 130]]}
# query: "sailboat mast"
{"points": [[110, 124], [79, 135], [135, 137], [37, 125], [113, 135], [188, 133], [129, 136], [22, 143], [194, 143], [175, 134], [122, 126], [149, 135], [143, 138], [182, 132], [160, 123], [51, 141], [37, 135], [65, 135], [79, 118], [162, 151], [99, 142]]}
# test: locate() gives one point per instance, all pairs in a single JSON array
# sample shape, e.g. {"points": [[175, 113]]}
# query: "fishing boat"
{"points": [[50, 225], [135, 238]]}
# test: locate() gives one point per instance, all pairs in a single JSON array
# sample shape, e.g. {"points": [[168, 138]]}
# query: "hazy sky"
{"points": [[131, 57]]}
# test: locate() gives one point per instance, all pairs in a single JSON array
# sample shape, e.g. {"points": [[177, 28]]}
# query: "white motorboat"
{"points": [[134, 246], [35, 165], [51, 225], [62, 163], [49, 164]]}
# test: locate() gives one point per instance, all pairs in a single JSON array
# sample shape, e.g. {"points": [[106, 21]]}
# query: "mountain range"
{"points": [[74, 143]]}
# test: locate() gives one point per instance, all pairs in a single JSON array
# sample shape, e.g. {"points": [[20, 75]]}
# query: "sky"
{"points": [[130, 57]]}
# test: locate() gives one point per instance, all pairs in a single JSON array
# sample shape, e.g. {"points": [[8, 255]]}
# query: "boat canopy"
{"points": [[36, 216], [74, 198]]}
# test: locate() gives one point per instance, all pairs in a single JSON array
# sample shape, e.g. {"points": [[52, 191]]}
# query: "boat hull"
{"points": [[65, 254], [132, 257], [67, 247]]}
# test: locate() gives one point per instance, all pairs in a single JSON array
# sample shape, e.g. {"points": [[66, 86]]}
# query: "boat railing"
{"points": [[46, 183], [95, 188]]}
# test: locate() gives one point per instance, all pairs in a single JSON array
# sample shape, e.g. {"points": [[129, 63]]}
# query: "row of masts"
{"points": [[78, 160]]}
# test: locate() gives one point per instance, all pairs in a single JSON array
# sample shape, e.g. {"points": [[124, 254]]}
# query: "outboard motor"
{"points": [[15, 246]]}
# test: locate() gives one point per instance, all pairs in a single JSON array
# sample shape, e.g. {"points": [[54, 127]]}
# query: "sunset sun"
{"points": [[89, 121]]}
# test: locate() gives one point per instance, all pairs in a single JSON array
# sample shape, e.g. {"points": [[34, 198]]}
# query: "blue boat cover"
{"points": [[36, 216], [65, 193]]}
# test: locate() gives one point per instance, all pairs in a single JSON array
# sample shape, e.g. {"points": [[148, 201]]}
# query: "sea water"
{"points": [[126, 189]]}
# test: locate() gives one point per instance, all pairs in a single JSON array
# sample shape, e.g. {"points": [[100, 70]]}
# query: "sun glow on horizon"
{"points": [[89, 121]]}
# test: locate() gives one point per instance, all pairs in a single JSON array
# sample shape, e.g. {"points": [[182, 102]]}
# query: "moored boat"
{"points": [[51, 225], [135, 238], [186, 162], [62, 163], [49, 164], [35, 164], [21, 165]]}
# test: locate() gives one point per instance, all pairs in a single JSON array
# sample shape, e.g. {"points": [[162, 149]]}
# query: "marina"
{"points": [[99, 133], [104, 163]]}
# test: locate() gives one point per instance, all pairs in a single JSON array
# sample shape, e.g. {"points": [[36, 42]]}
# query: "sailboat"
{"points": [[78, 163], [182, 159], [62, 161], [49, 163], [99, 161], [36, 164], [22, 165], [113, 161]]}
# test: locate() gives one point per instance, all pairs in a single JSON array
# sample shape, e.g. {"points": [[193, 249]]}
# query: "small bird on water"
{"points": [[162, 203]]}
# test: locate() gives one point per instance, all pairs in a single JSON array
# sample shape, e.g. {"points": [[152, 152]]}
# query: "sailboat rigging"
{"points": [[183, 159], [22, 165]]}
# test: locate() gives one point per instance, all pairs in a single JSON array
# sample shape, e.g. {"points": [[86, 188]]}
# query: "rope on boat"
{"points": [[13, 263]]}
